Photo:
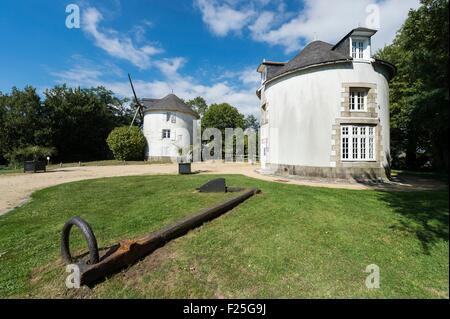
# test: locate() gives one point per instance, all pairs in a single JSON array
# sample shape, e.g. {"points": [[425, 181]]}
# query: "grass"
{"points": [[289, 242], [440, 176], [9, 170]]}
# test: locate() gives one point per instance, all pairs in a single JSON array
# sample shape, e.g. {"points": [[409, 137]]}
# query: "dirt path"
{"points": [[15, 189]]}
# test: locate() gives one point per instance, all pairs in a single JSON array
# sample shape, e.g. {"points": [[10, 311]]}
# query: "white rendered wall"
{"points": [[303, 107], [181, 133]]}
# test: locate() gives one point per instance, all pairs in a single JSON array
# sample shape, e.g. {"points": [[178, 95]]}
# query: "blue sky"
{"points": [[200, 47]]}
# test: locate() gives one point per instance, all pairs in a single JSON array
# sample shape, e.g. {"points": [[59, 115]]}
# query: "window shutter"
{"points": [[173, 134]]}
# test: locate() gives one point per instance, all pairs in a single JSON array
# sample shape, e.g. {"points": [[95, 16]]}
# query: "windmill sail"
{"points": [[139, 108]]}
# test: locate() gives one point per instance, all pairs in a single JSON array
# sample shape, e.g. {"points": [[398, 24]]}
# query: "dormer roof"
{"points": [[343, 45]]}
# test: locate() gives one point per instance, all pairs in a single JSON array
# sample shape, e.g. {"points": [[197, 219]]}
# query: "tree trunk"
{"points": [[411, 150]]}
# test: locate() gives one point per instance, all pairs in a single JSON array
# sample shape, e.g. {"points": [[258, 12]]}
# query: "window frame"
{"points": [[358, 48], [353, 135], [351, 99], [163, 135]]}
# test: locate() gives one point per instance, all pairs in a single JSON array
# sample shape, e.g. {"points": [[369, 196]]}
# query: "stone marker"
{"points": [[214, 186]]}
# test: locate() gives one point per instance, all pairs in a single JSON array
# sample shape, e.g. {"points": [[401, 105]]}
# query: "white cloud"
{"points": [[84, 72], [392, 15], [187, 88], [326, 20], [223, 18], [262, 24], [170, 66], [117, 46], [78, 76], [247, 76], [330, 20], [240, 93]]}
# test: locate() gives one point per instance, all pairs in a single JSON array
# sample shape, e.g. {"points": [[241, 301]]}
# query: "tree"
{"points": [[81, 120], [250, 121], [199, 105], [222, 116], [419, 94], [127, 143], [29, 153], [24, 120]]}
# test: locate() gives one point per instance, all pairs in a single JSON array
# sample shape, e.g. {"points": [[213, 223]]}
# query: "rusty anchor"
{"points": [[98, 266]]}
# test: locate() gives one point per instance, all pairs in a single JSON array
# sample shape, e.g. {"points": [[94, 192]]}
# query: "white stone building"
{"points": [[325, 113], [168, 126]]}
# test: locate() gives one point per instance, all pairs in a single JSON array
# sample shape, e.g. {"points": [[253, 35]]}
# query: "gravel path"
{"points": [[15, 189]]}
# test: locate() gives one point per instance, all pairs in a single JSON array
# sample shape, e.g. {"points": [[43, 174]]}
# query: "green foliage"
{"points": [[250, 121], [222, 116], [23, 121], [81, 120], [74, 121], [29, 153], [199, 105], [127, 143], [419, 94]]}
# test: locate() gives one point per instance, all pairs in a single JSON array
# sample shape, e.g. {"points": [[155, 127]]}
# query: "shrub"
{"points": [[127, 143], [29, 153]]}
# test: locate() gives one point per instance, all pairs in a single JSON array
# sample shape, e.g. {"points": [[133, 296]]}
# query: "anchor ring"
{"points": [[88, 234]]}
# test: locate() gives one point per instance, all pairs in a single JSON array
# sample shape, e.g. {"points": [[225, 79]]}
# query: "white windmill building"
{"points": [[326, 112], [168, 126]]}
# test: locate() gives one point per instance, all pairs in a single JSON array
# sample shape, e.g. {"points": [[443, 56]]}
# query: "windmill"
{"points": [[139, 108]]}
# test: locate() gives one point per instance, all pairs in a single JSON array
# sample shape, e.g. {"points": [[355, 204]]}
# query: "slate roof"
{"points": [[317, 52], [168, 103], [272, 69]]}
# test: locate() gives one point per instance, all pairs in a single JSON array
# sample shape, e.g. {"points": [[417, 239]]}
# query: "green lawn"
{"points": [[9, 170], [290, 241]]}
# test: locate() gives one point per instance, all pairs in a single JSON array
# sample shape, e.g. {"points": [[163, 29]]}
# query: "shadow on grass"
{"points": [[424, 214], [441, 177]]}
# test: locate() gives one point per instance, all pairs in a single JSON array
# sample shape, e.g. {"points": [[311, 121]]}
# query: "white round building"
{"points": [[168, 126], [325, 113]]}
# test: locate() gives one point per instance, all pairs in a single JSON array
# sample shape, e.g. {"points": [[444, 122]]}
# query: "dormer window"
{"points": [[264, 75], [360, 48]]}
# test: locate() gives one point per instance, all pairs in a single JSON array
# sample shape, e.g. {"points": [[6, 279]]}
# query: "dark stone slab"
{"points": [[217, 185]]}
